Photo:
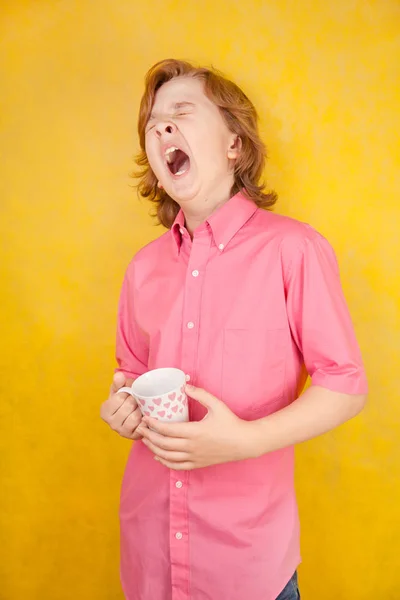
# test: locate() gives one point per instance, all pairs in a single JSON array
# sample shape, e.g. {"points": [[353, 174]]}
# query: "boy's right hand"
{"points": [[121, 411]]}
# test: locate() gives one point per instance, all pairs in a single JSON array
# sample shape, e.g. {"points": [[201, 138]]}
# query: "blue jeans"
{"points": [[291, 591]]}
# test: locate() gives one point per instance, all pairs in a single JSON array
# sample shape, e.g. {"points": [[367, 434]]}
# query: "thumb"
{"points": [[205, 398], [119, 381]]}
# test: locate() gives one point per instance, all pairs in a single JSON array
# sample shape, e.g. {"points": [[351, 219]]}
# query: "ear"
{"points": [[234, 148]]}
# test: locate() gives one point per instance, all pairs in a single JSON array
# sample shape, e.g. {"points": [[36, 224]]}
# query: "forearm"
{"points": [[315, 412]]}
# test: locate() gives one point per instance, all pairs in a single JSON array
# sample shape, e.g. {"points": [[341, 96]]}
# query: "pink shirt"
{"points": [[246, 309]]}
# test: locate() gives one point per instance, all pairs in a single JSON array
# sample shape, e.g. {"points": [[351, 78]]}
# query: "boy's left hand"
{"points": [[220, 437]]}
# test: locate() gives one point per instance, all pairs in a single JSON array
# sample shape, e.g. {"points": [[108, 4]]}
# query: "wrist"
{"points": [[258, 440]]}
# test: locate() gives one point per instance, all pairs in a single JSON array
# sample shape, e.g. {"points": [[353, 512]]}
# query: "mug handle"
{"points": [[126, 390]]}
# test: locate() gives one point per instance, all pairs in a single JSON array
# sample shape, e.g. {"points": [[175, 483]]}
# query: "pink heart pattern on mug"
{"points": [[167, 407]]}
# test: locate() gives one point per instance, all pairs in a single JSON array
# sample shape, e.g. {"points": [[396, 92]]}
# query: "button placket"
{"points": [[179, 527], [179, 538]]}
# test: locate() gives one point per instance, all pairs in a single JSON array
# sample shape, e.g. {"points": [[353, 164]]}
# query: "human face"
{"points": [[189, 146]]}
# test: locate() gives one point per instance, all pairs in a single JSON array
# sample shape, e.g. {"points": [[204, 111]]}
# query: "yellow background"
{"points": [[324, 76]]}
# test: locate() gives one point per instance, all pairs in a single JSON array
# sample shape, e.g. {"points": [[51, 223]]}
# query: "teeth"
{"points": [[168, 153], [181, 172]]}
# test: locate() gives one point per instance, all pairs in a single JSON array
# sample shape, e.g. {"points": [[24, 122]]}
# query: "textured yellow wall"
{"points": [[323, 76]]}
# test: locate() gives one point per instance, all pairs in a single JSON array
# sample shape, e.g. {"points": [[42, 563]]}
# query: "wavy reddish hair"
{"points": [[239, 115]]}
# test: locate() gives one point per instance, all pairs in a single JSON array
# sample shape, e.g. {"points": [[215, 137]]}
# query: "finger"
{"points": [[119, 380], [115, 401], [203, 397], [119, 417], [172, 430], [183, 466], [131, 423], [110, 407], [173, 457], [164, 442], [137, 433]]}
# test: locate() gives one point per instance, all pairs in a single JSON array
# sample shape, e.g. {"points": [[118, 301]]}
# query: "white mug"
{"points": [[161, 394]]}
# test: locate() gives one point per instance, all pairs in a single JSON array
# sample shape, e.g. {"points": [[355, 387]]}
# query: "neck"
{"points": [[198, 212]]}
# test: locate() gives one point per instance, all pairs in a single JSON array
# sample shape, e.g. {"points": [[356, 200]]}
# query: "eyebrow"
{"points": [[185, 104], [177, 106]]}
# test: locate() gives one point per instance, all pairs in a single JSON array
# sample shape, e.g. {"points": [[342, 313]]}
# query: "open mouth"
{"points": [[178, 161]]}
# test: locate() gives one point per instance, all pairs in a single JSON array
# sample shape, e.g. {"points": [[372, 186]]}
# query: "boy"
{"points": [[246, 302]]}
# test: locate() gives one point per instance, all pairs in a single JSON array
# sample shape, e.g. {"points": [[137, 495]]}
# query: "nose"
{"points": [[165, 128]]}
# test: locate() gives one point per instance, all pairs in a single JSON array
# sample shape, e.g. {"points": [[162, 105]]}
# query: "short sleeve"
{"points": [[319, 318], [131, 346]]}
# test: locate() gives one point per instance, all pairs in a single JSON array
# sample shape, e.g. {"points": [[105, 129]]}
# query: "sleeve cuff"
{"points": [[352, 384]]}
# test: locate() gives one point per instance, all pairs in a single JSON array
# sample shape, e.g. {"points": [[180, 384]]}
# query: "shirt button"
{"points": [[182, 231], [178, 535], [221, 246], [195, 273], [187, 377], [190, 325], [179, 484]]}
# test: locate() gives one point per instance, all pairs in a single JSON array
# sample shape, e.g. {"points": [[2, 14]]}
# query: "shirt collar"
{"points": [[178, 229], [224, 223]]}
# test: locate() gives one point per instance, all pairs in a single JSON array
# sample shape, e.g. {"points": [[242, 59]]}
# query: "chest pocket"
{"points": [[253, 370]]}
